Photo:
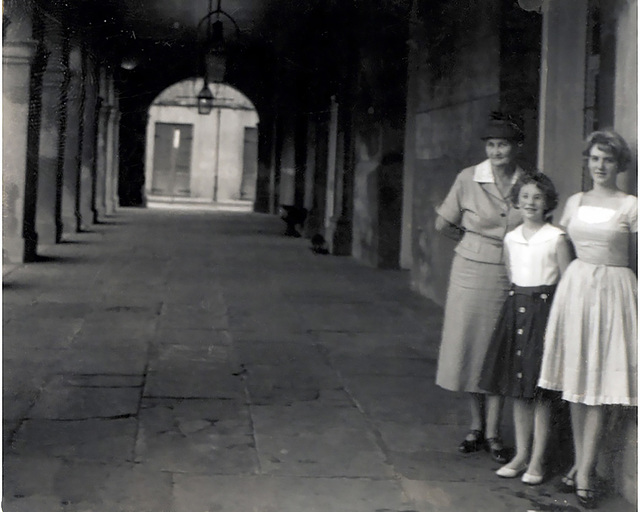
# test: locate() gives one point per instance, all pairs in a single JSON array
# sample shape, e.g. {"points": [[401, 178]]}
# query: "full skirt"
{"points": [[512, 365], [590, 352]]}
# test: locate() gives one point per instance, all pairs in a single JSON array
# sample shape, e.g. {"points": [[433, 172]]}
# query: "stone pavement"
{"points": [[199, 361]]}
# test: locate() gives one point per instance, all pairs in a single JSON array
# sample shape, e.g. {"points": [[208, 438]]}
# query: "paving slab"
{"points": [[103, 440], [287, 494], [61, 401], [193, 379], [73, 486], [334, 452]]}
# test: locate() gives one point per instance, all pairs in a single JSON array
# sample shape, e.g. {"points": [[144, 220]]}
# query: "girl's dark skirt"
{"points": [[512, 364]]}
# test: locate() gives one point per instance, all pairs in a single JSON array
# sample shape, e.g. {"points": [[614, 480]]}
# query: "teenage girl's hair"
{"points": [[545, 185], [613, 143]]}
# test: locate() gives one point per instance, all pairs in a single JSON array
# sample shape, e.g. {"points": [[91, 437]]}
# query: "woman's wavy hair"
{"points": [[612, 142], [544, 183]]}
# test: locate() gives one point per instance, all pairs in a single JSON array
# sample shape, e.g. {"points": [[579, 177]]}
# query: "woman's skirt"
{"points": [[590, 352], [474, 298], [512, 365]]}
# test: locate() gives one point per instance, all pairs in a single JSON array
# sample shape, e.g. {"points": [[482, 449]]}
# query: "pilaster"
{"points": [[51, 137], [17, 57], [100, 205], [562, 72], [113, 162], [88, 147], [70, 211]]}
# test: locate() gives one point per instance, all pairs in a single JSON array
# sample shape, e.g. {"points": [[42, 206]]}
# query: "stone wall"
{"points": [[456, 85], [379, 126], [464, 67]]}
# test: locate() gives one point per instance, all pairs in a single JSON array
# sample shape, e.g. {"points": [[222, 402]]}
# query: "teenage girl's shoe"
{"points": [[567, 485], [530, 479], [506, 472], [473, 442], [588, 499], [498, 452]]}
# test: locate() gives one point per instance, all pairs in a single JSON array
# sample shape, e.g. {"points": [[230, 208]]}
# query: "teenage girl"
{"points": [[536, 254]]}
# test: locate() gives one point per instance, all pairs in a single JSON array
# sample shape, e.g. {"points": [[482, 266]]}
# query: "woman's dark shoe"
{"points": [[567, 485], [472, 443], [498, 452], [588, 498]]}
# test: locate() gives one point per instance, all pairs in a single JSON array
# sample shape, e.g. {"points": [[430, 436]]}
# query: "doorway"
{"points": [[172, 160]]}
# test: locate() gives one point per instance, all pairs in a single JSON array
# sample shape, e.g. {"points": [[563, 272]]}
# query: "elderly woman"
{"points": [[590, 352], [478, 213]]}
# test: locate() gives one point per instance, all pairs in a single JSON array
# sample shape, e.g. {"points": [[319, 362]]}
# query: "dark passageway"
{"points": [[200, 361]]}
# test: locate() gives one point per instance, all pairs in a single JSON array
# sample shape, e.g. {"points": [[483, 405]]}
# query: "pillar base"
{"points": [[313, 224], [339, 236]]}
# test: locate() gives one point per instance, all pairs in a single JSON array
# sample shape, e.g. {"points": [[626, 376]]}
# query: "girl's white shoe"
{"points": [[530, 479], [507, 472]]}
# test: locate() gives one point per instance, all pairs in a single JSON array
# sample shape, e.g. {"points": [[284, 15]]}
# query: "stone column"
{"points": [[88, 146], [625, 114], [51, 155], [274, 168], [310, 165], [562, 90], [340, 232], [341, 226], [110, 149], [18, 50], [287, 162], [104, 114], [300, 138], [318, 148], [332, 144], [114, 170], [38, 65], [70, 211], [409, 162], [265, 147]]}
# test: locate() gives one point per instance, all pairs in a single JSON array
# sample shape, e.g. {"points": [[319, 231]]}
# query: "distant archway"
{"points": [[201, 158]]}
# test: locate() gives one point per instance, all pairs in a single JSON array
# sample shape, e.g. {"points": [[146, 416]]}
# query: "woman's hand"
{"points": [[449, 230]]}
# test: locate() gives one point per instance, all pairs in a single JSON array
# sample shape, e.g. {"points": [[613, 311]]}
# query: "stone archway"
{"points": [[201, 158]]}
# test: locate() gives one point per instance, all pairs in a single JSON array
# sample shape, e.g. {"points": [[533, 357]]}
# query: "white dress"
{"points": [[590, 351]]}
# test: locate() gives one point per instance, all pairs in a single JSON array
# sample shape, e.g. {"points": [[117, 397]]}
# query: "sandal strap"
{"points": [[477, 435]]}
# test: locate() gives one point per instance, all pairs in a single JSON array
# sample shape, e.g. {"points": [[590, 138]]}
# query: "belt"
{"points": [[543, 291]]}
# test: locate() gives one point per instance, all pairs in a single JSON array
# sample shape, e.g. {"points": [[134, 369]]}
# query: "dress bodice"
{"points": [[601, 235]]}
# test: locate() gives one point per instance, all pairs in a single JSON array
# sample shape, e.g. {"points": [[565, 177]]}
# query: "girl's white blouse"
{"points": [[534, 262]]}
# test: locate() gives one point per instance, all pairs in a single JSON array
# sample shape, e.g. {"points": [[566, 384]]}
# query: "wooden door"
{"points": [[249, 164], [172, 159]]}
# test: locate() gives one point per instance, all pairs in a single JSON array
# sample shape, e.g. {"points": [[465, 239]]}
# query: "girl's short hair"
{"points": [[543, 182], [612, 142]]}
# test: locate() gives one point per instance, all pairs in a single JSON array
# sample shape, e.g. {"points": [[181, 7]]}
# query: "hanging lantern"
{"points": [[205, 100], [213, 51]]}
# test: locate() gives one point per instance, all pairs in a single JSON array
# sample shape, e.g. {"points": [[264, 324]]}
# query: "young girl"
{"points": [[536, 253]]}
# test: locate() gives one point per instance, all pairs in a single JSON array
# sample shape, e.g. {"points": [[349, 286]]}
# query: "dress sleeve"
{"points": [[451, 208], [569, 209]]}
